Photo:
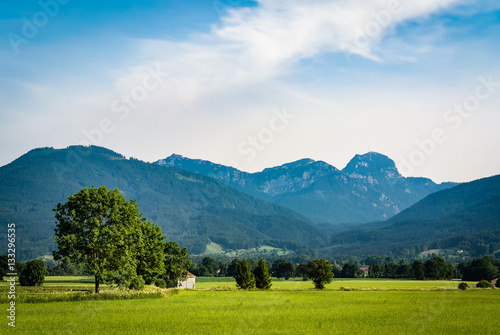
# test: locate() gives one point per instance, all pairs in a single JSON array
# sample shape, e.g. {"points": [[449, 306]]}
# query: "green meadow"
{"points": [[292, 307]]}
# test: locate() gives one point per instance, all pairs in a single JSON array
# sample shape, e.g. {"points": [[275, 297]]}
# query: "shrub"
{"points": [[484, 284], [161, 283], [463, 286], [33, 274], [137, 283]]}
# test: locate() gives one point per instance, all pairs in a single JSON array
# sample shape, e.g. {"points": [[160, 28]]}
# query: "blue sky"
{"points": [[257, 84]]}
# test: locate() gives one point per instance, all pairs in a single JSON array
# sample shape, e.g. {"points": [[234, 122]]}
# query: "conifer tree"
{"points": [[244, 278], [262, 276]]}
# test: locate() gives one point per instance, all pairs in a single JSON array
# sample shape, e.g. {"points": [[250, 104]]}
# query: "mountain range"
{"points": [[369, 188], [307, 206]]}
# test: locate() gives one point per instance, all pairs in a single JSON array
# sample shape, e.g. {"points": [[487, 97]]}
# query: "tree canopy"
{"points": [[480, 269], [176, 262], [320, 271], [109, 235], [283, 269]]}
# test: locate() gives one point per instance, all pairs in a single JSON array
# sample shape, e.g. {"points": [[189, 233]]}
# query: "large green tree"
{"points": [[244, 278], [262, 277], [102, 230], [320, 271]]}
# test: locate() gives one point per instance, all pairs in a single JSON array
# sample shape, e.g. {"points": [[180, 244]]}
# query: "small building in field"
{"points": [[494, 281], [365, 269], [189, 282]]}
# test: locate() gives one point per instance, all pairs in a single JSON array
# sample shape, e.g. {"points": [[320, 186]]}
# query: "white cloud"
{"points": [[253, 45]]}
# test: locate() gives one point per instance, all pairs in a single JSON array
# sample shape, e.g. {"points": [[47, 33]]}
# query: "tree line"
{"points": [[435, 268]]}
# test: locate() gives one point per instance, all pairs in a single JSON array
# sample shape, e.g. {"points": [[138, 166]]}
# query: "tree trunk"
{"points": [[96, 284]]}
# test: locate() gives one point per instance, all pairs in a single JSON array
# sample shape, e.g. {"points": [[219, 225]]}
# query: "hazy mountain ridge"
{"points": [[369, 188]]}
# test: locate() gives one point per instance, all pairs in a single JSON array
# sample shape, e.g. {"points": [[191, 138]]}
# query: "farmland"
{"points": [[216, 307]]}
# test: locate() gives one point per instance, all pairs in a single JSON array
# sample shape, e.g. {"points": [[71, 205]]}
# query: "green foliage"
{"points": [[106, 233], [208, 268], [351, 271], [137, 283], [232, 268], [283, 269], [161, 283], [3, 266], [375, 271], [463, 286], [302, 271], [176, 263], [244, 278], [33, 274], [436, 268], [66, 269], [320, 270], [479, 269], [418, 269], [484, 284], [150, 253], [262, 277]]}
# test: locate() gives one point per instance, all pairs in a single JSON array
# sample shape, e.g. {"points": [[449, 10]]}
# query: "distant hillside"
{"points": [[368, 189], [466, 216], [190, 208]]}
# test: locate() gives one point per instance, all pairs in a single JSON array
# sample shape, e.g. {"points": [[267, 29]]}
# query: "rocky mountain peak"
{"points": [[372, 164]]}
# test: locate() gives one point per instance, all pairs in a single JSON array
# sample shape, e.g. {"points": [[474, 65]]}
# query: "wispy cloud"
{"points": [[255, 44]]}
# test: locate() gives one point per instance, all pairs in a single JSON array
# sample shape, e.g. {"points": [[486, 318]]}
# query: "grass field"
{"points": [[292, 307]]}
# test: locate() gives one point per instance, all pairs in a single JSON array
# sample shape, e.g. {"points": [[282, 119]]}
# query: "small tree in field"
{"points": [[320, 271], [262, 277], [463, 286], [33, 274], [244, 278]]}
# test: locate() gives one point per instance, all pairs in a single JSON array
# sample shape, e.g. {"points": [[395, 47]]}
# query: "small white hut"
{"points": [[189, 282]]}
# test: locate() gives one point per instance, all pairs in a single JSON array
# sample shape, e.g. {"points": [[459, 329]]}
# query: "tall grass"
{"points": [[272, 312]]}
